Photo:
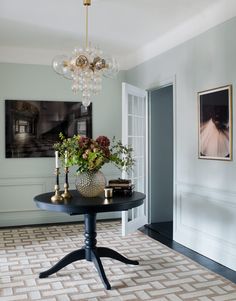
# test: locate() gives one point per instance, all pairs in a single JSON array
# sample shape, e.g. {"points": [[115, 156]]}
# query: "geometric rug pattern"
{"points": [[163, 274]]}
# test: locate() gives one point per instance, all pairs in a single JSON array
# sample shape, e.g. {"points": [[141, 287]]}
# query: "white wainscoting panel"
{"points": [[18, 208], [206, 222]]}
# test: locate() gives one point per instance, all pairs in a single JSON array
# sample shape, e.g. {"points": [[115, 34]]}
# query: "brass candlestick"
{"points": [[66, 194], [57, 195]]}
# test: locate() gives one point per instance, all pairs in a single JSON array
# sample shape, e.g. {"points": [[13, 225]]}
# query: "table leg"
{"points": [[98, 264], [93, 253], [107, 252], [90, 252], [69, 258]]}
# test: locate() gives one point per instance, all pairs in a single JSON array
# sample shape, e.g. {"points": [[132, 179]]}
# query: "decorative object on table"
{"points": [[89, 156], [90, 183], [66, 194], [56, 198], [32, 127], [215, 123], [121, 186], [120, 183], [85, 67], [108, 192]]}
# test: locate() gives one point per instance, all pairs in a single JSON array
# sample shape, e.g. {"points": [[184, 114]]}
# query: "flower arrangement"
{"points": [[90, 155]]}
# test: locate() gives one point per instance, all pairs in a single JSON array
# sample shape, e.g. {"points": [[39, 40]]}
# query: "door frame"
{"points": [[156, 86]]}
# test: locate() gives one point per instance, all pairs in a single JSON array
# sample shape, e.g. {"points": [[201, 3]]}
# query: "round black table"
{"points": [[89, 207]]}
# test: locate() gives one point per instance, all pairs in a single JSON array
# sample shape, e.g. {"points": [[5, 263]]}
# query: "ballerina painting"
{"points": [[215, 123]]}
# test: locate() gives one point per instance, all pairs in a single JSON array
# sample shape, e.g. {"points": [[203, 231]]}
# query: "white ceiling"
{"points": [[33, 31]]}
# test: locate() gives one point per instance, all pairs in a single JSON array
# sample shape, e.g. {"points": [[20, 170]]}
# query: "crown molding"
{"points": [[32, 56], [214, 15], [211, 17]]}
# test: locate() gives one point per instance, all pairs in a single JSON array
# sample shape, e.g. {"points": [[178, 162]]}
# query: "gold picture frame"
{"points": [[215, 124]]}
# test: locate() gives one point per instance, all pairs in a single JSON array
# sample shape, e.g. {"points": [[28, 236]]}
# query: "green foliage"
{"points": [[90, 155]]}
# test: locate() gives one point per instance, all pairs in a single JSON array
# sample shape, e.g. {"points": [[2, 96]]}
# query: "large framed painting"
{"points": [[32, 127], [215, 123]]}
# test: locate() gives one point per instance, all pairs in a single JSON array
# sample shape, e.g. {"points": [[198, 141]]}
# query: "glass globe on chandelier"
{"points": [[86, 67]]}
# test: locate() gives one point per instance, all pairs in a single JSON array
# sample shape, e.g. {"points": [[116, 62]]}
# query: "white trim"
{"points": [[207, 243], [147, 163], [213, 16], [216, 14], [149, 154], [226, 196], [34, 217], [142, 219], [124, 114]]}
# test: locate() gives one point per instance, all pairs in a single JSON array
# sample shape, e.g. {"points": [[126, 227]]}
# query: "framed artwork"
{"points": [[32, 127], [82, 127], [215, 123]]}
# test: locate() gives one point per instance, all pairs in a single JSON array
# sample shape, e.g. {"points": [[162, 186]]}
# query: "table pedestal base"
{"points": [[90, 252]]}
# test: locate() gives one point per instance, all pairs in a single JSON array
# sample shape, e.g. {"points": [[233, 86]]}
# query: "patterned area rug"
{"points": [[163, 274]]}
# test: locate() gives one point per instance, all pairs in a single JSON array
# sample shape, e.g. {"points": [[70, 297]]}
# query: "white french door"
{"points": [[135, 134]]}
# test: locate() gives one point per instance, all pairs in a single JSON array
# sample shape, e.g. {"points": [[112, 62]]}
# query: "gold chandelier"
{"points": [[86, 67]]}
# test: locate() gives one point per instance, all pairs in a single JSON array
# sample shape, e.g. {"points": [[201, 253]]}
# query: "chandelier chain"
{"points": [[86, 45]]}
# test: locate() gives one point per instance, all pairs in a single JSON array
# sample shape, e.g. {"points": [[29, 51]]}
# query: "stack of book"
{"points": [[121, 186]]}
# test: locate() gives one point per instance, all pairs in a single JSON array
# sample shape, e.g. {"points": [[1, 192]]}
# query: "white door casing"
{"points": [[135, 134]]}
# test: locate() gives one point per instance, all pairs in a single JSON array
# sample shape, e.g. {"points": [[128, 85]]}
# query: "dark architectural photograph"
{"points": [[32, 127]]}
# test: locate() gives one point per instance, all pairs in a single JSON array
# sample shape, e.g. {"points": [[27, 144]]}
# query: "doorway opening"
{"points": [[161, 166]]}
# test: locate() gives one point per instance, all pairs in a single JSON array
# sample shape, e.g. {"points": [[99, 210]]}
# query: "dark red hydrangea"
{"points": [[83, 142], [106, 152], [103, 141]]}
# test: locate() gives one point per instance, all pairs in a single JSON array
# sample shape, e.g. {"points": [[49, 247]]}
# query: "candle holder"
{"points": [[66, 194], [57, 195]]}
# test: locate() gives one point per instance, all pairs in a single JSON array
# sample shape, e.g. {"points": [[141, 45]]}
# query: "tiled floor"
{"points": [[165, 237], [163, 274]]}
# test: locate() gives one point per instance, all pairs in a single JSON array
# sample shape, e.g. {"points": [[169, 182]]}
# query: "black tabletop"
{"points": [[82, 205]]}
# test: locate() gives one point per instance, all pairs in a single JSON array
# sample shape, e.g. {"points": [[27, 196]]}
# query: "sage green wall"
{"points": [[205, 199], [21, 179]]}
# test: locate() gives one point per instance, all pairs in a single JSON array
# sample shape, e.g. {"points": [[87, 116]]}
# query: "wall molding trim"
{"points": [[35, 217], [20, 208], [213, 194], [206, 221], [210, 236], [207, 19], [193, 27]]}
